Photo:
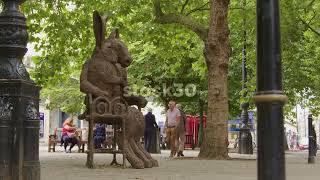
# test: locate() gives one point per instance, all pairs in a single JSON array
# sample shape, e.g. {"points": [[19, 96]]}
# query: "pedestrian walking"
{"points": [[181, 131], [149, 131], [172, 120]]}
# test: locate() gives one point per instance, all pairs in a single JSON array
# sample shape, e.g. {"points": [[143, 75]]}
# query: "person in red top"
{"points": [[69, 134]]}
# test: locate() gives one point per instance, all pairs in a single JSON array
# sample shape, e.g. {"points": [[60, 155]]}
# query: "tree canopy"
{"points": [[62, 32]]}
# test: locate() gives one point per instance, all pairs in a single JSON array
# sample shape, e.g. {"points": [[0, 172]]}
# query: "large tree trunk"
{"points": [[217, 50]]}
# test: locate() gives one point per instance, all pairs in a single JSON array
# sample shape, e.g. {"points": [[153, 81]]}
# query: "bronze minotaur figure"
{"points": [[103, 79]]}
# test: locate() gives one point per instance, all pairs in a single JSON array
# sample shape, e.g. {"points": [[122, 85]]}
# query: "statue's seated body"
{"points": [[103, 77]]}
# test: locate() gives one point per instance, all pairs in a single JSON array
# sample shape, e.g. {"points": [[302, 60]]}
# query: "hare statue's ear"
{"points": [[114, 34], [99, 27]]}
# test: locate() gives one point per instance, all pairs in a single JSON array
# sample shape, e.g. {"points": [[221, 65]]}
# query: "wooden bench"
{"points": [[55, 139]]}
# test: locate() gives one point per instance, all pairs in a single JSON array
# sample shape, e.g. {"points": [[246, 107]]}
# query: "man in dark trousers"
{"points": [[150, 127], [313, 144], [181, 131]]}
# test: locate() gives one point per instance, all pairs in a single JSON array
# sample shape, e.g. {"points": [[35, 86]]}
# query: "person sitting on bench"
{"points": [[99, 135], [69, 134]]}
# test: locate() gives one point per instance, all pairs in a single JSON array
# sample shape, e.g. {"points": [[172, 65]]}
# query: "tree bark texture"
{"points": [[217, 50]]}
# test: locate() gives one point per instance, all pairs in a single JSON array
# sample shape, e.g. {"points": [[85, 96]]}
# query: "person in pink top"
{"points": [[69, 135], [172, 120]]}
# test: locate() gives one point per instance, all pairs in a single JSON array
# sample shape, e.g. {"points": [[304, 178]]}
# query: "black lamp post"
{"points": [[245, 137], [19, 100], [200, 133], [312, 147], [269, 97]]}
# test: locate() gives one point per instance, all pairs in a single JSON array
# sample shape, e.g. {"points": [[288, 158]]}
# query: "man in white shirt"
{"points": [[172, 120]]}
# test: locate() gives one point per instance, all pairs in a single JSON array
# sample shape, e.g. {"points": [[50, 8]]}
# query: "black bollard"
{"points": [[311, 147], [19, 100], [269, 97]]}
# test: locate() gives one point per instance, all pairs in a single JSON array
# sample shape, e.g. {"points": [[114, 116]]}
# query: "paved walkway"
{"points": [[62, 166]]}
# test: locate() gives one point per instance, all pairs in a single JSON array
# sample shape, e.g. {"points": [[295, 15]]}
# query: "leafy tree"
{"points": [[62, 32], [214, 33], [299, 40], [300, 52], [70, 27], [66, 96], [164, 51]]}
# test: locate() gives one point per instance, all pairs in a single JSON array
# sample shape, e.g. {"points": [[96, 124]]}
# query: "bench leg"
{"points": [[49, 147], [124, 146], [83, 146], [114, 160], [124, 160], [54, 147], [79, 148], [114, 147], [89, 163]]}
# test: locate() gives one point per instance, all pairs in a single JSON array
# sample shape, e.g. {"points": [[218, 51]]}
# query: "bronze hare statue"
{"points": [[105, 75]]}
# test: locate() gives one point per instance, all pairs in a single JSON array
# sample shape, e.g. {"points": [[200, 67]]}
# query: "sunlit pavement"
{"points": [[62, 166]]}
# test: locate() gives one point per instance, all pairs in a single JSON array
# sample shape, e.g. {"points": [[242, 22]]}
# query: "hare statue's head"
{"points": [[112, 48]]}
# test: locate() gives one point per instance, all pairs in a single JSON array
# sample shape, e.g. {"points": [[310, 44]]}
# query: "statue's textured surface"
{"points": [[105, 75]]}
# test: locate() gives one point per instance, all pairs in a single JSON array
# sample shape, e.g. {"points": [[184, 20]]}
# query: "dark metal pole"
{"points": [[269, 97], [19, 97], [311, 147], [285, 142], [200, 133], [245, 137]]}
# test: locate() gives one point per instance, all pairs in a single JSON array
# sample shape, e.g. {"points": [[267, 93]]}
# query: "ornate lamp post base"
{"points": [[245, 137], [245, 141], [20, 128], [19, 100]]}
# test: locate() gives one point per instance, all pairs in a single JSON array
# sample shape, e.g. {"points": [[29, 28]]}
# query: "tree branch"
{"points": [[195, 10], [311, 3], [183, 20], [184, 6], [201, 8], [314, 15], [237, 8], [309, 27]]}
